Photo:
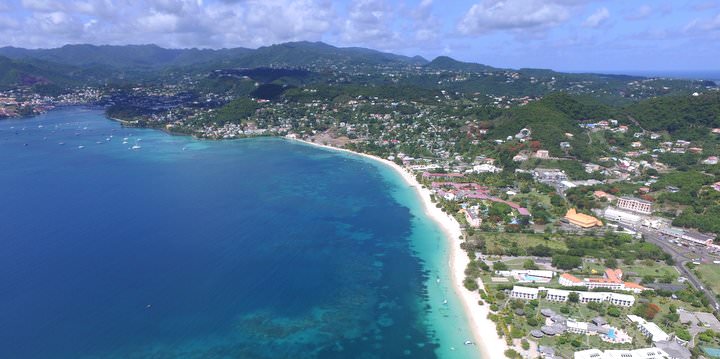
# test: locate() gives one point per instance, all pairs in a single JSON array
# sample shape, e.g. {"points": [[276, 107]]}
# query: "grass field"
{"points": [[496, 242], [710, 275]]}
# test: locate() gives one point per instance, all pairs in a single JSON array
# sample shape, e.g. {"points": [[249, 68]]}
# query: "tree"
{"points": [[540, 251], [614, 311], [516, 332], [512, 354], [564, 261], [471, 284], [573, 297], [529, 264], [499, 266], [611, 263], [683, 334], [647, 310]]}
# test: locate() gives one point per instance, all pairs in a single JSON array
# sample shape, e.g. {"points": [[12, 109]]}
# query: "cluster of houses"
{"points": [[461, 191], [665, 345]]}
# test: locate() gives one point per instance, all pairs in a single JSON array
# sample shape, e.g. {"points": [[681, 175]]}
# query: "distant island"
{"points": [[586, 205]]}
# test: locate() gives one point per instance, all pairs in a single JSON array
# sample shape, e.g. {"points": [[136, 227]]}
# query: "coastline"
{"points": [[489, 343]]}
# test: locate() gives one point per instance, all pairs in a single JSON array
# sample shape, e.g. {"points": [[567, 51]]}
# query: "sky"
{"points": [[565, 35]]}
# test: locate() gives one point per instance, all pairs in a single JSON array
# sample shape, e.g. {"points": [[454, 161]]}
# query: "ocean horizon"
{"points": [[134, 243]]}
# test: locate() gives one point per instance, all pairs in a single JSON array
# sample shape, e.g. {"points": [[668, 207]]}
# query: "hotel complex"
{"points": [[560, 295], [611, 280]]}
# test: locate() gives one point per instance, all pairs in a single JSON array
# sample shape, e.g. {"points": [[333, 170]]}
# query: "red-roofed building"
{"points": [[611, 280], [569, 280]]}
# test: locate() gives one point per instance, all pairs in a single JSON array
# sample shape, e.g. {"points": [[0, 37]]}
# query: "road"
{"points": [[680, 259]]}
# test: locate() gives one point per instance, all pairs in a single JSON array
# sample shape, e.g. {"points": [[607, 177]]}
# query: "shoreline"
{"points": [[485, 336]]}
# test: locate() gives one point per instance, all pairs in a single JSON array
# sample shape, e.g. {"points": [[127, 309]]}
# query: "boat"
{"points": [[467, 342], [81, 147], [135, 147]]}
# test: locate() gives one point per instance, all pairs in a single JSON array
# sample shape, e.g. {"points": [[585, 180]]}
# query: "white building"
{"points": [[486, 168], [557, 295], [635, 205], [645, 353], [524, 293], [649, 329], [473, 217], [573, 326], [616, 215], [622, 300]]}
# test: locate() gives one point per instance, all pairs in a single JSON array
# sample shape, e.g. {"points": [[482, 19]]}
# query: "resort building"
{"points": [[428, 175], [649, 329], [645, 353], [622, 300], [524, 293], [573, 326], [635, 205], [569, 280], [472, 216], [582, 220], [612, 280]]}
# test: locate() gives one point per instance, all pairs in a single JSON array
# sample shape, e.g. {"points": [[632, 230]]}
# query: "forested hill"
{"points": [[678, 113], [292, 54], [71, 65], [38, 74]]}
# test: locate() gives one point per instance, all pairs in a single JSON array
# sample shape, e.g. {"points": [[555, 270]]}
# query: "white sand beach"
{"points": [[485, 335]]}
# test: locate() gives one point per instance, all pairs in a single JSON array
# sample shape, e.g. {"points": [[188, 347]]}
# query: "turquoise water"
{"points": [[182, 248]]}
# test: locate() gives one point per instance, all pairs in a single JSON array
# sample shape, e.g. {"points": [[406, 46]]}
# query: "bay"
{"points": [[133, 243]]}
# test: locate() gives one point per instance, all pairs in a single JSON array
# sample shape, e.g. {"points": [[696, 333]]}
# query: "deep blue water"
{"points": [[259, 248]]}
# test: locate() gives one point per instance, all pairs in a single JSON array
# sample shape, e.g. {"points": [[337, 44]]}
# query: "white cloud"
{"points": [[598, 18], [369, 22], [425, 25], [699, 26], [42, 5], [169, 23], [491, 15], [642, 12]]}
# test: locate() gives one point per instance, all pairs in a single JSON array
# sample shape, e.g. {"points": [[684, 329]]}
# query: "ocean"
{"points": [[184, 248]]}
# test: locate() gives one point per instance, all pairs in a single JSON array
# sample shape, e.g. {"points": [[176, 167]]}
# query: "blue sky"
{"points": [[569, 35]]}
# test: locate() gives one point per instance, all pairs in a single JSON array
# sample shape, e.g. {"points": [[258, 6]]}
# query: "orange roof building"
{"points": [[611, 280], [570, 280], [582, 220]]}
